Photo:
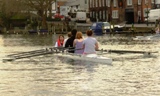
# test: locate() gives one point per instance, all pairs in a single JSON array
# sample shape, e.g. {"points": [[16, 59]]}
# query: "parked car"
{"points": [[153, 15], [105, 27], [81, 17], [97, 28]]}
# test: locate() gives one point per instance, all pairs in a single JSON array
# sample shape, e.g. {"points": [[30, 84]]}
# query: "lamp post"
{"points": [[154, 4], [111, 3]]}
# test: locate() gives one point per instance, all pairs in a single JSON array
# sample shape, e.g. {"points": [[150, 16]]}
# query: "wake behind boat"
{"points": [[152, 37]]}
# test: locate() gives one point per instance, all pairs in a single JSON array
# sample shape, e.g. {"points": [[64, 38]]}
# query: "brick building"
{"points": [[132, 11]]}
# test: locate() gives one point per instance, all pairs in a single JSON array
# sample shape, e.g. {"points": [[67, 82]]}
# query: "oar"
{"points": [[21, 55], [33, 55], [37, 51], [27, 56], [30, 55], [128, 51], [27, 52]]}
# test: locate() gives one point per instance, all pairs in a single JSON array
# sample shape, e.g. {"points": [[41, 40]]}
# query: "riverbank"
{"points": [[59, 28]]}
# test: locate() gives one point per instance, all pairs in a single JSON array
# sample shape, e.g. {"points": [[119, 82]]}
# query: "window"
{"points": [[145, 15], [103, 2], [146, 1], [129, 2], [93, 14], [139, 13], [100, 14], [93, 4], [115, 3], [115, 14], [104, 14], [100, 3], [139, 2], [85, 1], [90, 3], [108, 3], [96, 14], [90, 14], [96, 3], [145, 11]]}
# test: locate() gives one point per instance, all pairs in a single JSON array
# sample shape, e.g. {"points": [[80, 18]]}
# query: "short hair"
{"points": [[69, 34], [89, 32], [74, 31], [79, 35]]}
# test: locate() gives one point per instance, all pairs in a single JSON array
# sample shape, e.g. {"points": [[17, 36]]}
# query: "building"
{"points": [[136, 10], [116, 11], [98, 10], [77, 5], [58, 4]]}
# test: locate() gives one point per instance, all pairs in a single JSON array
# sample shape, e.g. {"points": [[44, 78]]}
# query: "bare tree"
{"points": [[9, 10], [41, 6]]}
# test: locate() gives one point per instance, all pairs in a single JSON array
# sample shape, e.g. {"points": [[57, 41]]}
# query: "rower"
{"points": [[69, 34], [60, 41], [69, 42], [90, 44], [78, 43]]}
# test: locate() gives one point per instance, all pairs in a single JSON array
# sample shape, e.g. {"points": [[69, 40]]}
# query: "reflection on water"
{"points": [[48, 75]]}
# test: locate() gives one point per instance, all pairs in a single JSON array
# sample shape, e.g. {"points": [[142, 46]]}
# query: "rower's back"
{"points": [[78, 43], [69, 42], [90, 43]]}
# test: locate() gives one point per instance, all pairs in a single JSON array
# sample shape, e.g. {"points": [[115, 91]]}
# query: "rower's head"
{"points": [[79, 35], [74, 31], [69, 34], [61, 37], [89, 32]]}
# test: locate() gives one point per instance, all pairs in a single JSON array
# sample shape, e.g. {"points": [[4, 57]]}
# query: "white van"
{"points": [[154, 15], [81, 17]]}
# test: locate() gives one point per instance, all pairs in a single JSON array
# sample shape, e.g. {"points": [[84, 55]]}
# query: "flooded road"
{"points": [[48, 75]]}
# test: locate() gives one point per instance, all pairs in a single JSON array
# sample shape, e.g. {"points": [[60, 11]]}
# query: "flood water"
{"points": [[47, 75]]}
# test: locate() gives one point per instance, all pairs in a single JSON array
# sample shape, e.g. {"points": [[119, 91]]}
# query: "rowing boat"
{"points": [[89, 57], [64, 52], [59, 52]]}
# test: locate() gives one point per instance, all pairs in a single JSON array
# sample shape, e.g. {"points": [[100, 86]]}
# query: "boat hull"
{"points": [[91, 57]]}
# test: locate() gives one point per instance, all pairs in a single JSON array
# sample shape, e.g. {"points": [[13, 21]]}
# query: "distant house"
{"points": [[77, 5], [116, 11]]}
